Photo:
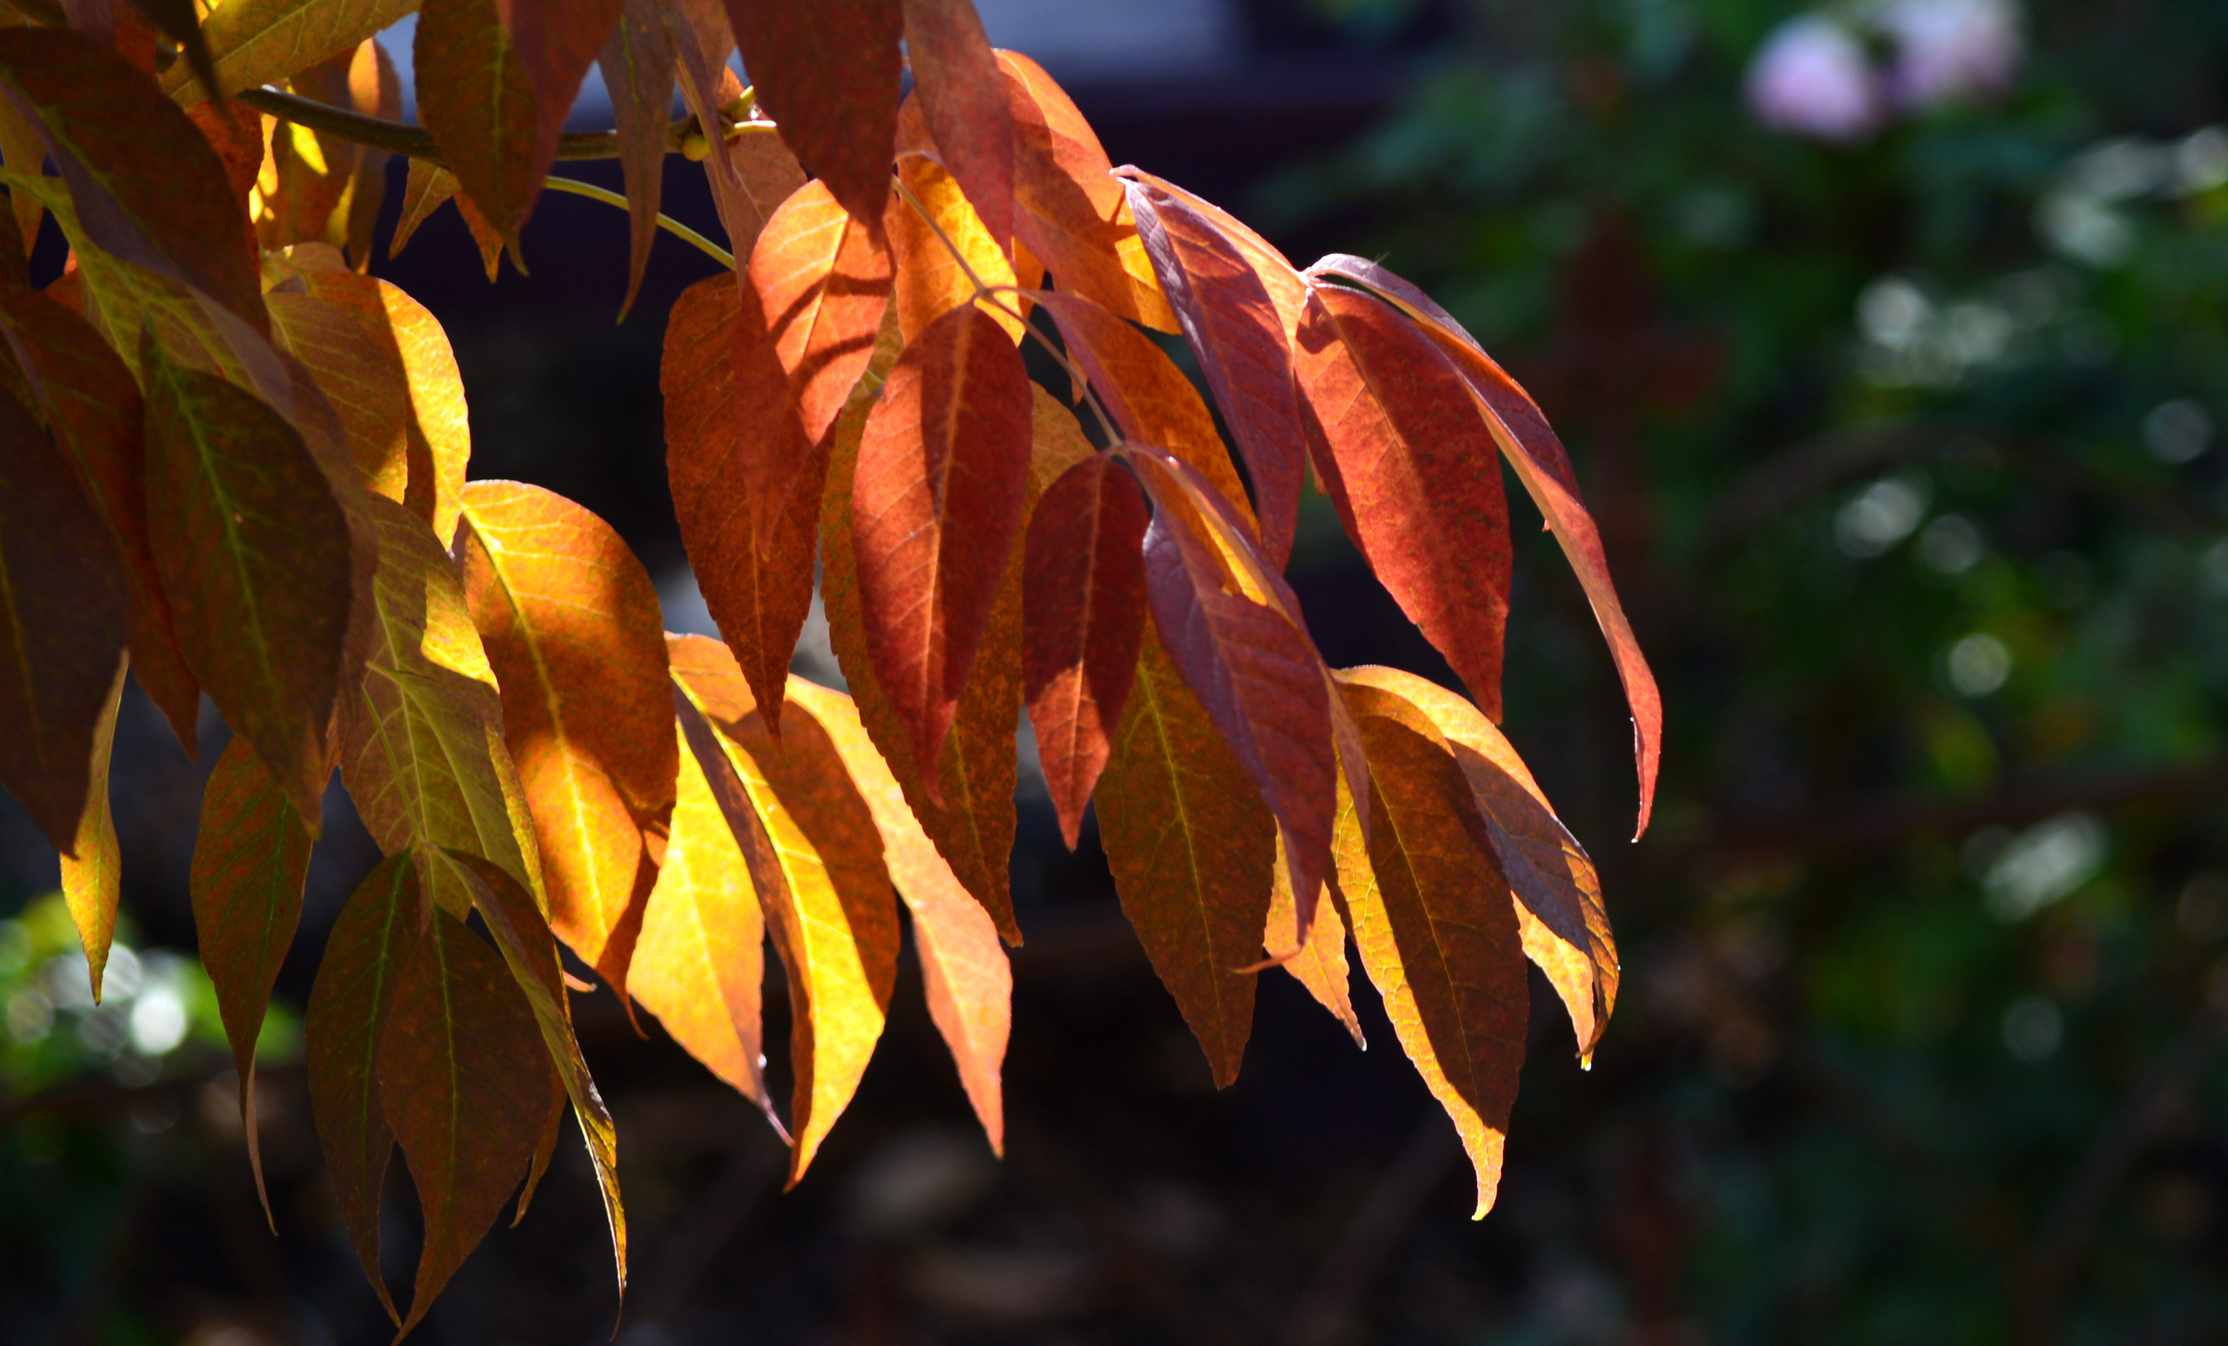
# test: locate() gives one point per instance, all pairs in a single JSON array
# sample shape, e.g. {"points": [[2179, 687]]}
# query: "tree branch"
{"points": [[416, 143]]}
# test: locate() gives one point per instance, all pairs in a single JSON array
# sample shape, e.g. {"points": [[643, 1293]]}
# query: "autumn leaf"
{"points": [[828, 75], [341, 1029], [822, 280], [148, 187], [1522, 433], [1435, 930], [930, 279], [92, 864], [1559, 908], [179, 21], [1413, 473], [250, 859], [1319, 965], [62, 615], [495, 81], [637, 67], [937, 505], [962, 91], [22, 151], [422, 749], [427, 188], [463, 1089], [964, 972], [315, 186], [1280, 280], [751, 171], [746, 484], [828, 900], [255, 554], [571, 625], [1191, 847], [1083, 596], [1233, 327], [254, 42]]}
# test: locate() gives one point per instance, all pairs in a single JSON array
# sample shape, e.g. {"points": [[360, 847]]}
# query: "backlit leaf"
{"points": [[962, 92], [571, 625], [1320, 963], [930, 281], [830, 909], [1191, 847], [250, 859], [495, 81], [148, 187], [937, 505], [92, 864], [341, 1030], [1286, 288], [964, 972], [822, 279], [637, 66], [1403, 454], [751, 172], [62, 615], [1083, 596], [1435, 930], [828, 75], [254, 42], [1532, 448], [426, 189], [255, 554], [179, 21], [464, 1088]]}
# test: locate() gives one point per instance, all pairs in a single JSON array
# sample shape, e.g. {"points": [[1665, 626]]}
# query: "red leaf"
{"points": [[751, 172], [637, 66], [962, 92], [1409, 464], [1083, 621], [822, 277], [937, 506], [1286, 288], [1521, 431], [828, 75], [1233, 325]]}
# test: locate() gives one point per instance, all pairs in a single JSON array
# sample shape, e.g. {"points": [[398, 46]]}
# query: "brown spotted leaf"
{"points": [[571, 625], [827, 73], [962, 91]]}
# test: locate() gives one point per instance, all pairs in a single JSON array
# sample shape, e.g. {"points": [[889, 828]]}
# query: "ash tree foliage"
{"points": [[236, 463]]}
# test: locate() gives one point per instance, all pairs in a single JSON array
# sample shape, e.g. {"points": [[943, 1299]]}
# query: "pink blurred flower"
{"points": [[1946, 50], [1811, 78]]}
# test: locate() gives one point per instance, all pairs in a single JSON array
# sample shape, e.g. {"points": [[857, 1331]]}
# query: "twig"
{"points": [[417, 143], [575, 187]]}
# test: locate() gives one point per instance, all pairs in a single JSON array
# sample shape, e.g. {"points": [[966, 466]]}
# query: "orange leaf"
{"points": [[256, 558], [341, 1029], [1191, 847], [426, 188], [937, 505], [495, 81], [1083, 595], [822, 279], [92, 864], [1522, 433], [464, 1088], [964, 972], [637, 66], [1320, 963], [1435, 931], [250, 858], [1558, 895], [962, 92], [62, 615], [930, 281], [571, 624], [828, 75]]}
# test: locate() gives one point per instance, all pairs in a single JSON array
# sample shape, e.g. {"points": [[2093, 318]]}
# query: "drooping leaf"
{"points": [[250, 859], [384, 363], [746, 481], [148, 187], [701, 958], [92, 864], [1149, 398], [637, 65], [962, 91], [830, 907], [1320, 965], [1532, 448], [752, 171], [1559, 908], [571, 625], [1233, 327], [422, 749], [463, 1086], [426, 189], [254, 42], [1409, 464], [937, 505], [341, 1030], [822, 280], [256, 559], [495, 81], [92, 407], [1083, 605], [1435, 930], [1191, 847], [964, 972], [828, 75], [62, 615], [930, 280], [1286, 288]]}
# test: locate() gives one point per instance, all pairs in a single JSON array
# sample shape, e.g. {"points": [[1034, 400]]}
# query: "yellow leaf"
{"points": [[93, 868]]}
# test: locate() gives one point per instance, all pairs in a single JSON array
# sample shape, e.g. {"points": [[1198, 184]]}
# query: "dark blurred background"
{"points": [[1889, 339]]}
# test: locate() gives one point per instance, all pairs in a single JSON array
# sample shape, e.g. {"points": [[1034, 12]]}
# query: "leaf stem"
{"points": [[575, 187], [415, 142], [990, 295]]}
